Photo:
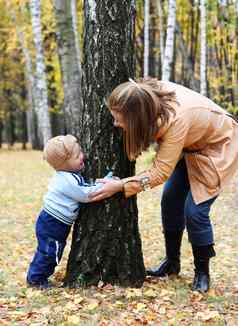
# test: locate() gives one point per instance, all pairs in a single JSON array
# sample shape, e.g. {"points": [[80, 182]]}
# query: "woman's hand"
{"points": [[110, 187]]}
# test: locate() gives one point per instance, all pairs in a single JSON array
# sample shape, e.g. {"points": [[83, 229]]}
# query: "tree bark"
{"points": [[71, 74], [203, 51], [169, 46], [106, 244], [161, 29], [28, 71], [41, 99], [146, 37], [76, 33], [188, 72]]}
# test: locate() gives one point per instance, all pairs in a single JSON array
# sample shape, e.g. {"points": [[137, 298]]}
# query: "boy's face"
{"points": [[76, 161]]}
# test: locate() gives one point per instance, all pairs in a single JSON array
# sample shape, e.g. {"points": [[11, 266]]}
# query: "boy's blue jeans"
{"points": [[178, 208], [51, 235]]}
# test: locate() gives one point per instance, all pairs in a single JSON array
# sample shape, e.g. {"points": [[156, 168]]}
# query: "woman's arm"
{"points": [[168, 155]]}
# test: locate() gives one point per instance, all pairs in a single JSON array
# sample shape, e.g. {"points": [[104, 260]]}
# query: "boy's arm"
{"points": [[73, 189]]}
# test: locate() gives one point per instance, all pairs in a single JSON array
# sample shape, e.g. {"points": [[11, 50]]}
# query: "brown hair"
{"points": [[145, 107]]}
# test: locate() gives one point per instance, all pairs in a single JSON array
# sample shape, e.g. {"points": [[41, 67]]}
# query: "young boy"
{"points": [[66, 191]]}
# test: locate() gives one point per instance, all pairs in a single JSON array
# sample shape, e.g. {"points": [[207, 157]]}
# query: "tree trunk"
{"points": [[187, 65], [41, 99], [146, 37], [24, 130], [106, 244], [11, 127], [76, 33], [203, 51], [161, 29], [27, 71], [235, 64], [154, 56], [71, 74], [1, 130], [169, 46]]}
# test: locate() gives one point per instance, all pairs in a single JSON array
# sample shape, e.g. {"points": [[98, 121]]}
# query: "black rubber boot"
{"points": [[171, 264], [202, 256]]}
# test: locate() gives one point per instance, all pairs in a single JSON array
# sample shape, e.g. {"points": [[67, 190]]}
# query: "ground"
{"points": [[23, 181]]}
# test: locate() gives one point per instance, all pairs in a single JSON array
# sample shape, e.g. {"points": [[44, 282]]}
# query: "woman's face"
{"points": [[118, 119]]}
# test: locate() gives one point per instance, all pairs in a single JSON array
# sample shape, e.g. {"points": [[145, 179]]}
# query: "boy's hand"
{"points": [[110, 187]]}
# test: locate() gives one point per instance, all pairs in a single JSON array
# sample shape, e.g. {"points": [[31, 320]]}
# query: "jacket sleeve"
{"points": [[170, 150], [78, 192]]}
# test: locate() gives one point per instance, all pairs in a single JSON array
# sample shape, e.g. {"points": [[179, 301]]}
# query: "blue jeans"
{"points": [[178, 208], [51, 235]]}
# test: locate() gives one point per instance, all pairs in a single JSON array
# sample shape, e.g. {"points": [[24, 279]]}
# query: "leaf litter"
{"points": [[169, 301]]}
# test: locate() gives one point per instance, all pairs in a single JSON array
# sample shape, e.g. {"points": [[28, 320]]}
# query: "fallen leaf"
{"points": [[73, 320], [70, 306], [162, 310], [140, 306], [119, 303], [208, 315], [78, 300], [92, 306], [150, 293]]}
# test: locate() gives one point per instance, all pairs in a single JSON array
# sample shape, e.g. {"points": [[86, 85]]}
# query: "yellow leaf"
{"points": [[70, 306], [78, 300], [73, 320], [119, 303], [140, 306], [132, 293], [208, 315], [92, 306], [164, 293], [150, 293], [212, 293]]}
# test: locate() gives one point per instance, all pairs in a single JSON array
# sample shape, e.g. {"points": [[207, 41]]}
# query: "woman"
{"points": [[197, 156]]}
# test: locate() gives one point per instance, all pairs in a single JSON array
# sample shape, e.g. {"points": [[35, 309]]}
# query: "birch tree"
{"points": [[146, 37], [76, 33], [161, 30], [70, 65], [27, 69], [169, 45], [106, 245], [203, 53], [41, 99]]}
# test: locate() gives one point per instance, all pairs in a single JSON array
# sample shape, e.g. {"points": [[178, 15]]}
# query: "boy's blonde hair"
{"points": [[58, 150]]}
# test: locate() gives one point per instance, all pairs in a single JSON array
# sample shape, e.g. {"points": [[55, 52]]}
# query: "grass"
{"points": [[23, 181]]}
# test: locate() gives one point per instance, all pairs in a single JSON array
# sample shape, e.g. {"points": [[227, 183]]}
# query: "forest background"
{"points": [[31, 71]]}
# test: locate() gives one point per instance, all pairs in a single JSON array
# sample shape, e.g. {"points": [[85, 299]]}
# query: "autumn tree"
{"points": [[169, 44], [203, 52], [40, 74], [70, 63], [106, 244]]}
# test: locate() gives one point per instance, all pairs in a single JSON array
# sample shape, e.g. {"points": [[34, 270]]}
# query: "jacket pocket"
{"points": [[203, 170]]}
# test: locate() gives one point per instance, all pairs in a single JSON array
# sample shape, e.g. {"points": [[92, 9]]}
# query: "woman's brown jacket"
{"points": [[207, 137]]}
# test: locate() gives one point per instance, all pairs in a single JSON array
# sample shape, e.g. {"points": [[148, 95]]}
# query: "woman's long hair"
{"points": [[145, 107]]}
